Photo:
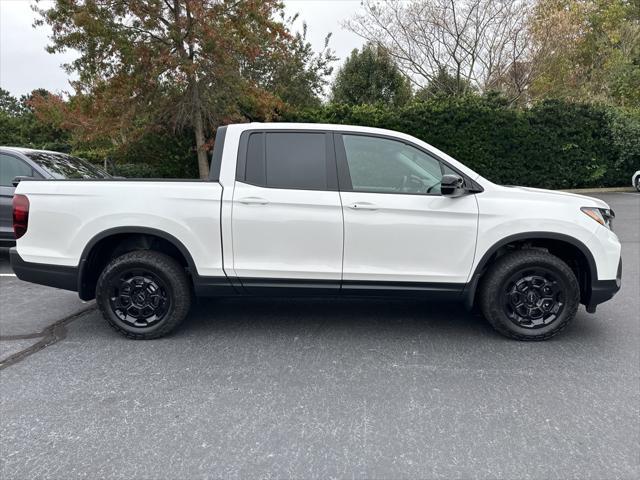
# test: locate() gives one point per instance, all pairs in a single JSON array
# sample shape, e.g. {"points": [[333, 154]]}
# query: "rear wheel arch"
{"points": [[120, 240], [569, 249]]}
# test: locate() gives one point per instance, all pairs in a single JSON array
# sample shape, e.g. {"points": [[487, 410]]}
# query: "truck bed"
{"points": [[72, 213]]}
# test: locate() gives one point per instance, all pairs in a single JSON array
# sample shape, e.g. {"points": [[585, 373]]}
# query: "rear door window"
{"points": [[288, 160]]}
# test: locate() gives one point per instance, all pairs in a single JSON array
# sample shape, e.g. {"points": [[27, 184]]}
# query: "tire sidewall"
{"points": [[105, 304], [571, 301]]}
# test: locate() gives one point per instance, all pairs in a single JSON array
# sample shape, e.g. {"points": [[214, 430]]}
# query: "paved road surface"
{"points": [[324, 388]]}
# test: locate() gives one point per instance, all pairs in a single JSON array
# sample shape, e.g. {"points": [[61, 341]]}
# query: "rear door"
{"points": [[286, 215], [10, 168], [400, 232]]}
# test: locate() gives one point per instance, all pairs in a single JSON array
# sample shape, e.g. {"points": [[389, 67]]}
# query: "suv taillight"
{"points": [[20, 215]]}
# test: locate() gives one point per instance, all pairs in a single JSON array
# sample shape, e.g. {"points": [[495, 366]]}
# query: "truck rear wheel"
{"points": [[529, 295], [143, 294]]}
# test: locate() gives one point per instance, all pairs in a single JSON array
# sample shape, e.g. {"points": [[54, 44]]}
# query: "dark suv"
{"points": [[40, 164]]}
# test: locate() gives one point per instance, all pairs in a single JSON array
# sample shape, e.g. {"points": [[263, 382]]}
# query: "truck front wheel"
{"points": [[143, 294], [529, 294]]}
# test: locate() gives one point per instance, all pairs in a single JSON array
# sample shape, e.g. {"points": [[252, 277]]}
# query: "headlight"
{"points": [[604, 216]]}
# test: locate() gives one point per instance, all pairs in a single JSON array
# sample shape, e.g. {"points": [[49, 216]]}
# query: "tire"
{"points": [[530, 295], [143, 294], [638, 183]]}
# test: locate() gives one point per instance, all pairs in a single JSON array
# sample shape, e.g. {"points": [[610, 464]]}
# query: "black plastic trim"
{"points": [[216, 157], [430, 290], [142, 230], [7, 242], [288, 286], [313, 287], [57, 276], [603, 290], [213, 287], [471, 287], [202, 285]]}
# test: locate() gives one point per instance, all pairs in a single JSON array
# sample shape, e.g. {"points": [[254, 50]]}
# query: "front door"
{"points": [[400, 232], [287, 217]]}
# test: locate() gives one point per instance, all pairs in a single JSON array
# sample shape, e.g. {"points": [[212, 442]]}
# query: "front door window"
{"points": [[380, 165]]}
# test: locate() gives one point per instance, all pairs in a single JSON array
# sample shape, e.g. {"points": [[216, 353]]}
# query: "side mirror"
{"points": [[452, 185], [18, 179]]}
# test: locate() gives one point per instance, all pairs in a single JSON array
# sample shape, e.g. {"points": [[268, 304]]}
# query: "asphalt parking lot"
{"points": [[320, 389]]}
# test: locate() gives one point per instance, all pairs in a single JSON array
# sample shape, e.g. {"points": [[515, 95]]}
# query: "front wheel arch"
{"points": [[569, 249]]}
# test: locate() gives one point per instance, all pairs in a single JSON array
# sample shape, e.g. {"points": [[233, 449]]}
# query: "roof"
{"points": [[29, 150], [242, 127]]}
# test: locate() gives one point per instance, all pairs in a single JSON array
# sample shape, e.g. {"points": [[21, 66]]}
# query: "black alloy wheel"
{"points": [[144, 294], [139, 297], [534, 298], [529, 294]]}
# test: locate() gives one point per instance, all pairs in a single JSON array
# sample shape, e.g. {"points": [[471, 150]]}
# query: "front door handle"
{"points": [[253, 201], [363, 206]]}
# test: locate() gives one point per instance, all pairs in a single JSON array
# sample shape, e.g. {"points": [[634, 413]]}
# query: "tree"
{"points": [[444, 84], [299, 77], [10, 105], [144, 65], [370, 76], [10, 119], [20, 127], [476, 41], [587, 50]]}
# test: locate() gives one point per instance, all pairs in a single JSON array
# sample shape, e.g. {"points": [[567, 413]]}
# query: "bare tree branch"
{"points": [[476, 41]]}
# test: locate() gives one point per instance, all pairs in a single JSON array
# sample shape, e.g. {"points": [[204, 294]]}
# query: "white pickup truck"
{"points": [[310, 209]]}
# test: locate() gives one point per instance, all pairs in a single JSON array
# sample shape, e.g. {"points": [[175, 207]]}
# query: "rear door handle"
{"points": [[253, 201], [363, 206]]}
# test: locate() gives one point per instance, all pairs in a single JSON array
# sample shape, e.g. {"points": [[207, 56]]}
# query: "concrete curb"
{"points": [[601, 190]]}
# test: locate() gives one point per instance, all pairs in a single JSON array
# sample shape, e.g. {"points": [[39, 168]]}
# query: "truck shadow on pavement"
{"points": [[353, 317]]}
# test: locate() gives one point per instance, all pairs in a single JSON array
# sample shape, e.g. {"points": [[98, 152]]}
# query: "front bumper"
{"points": [[603, 290], [57, 276]]}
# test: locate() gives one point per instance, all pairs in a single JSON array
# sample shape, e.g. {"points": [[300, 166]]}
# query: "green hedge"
{"points": [[155, 155], [552, 144]]}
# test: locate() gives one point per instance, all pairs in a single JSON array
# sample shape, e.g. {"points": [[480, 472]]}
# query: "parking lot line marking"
{"points": [[7, 274]]}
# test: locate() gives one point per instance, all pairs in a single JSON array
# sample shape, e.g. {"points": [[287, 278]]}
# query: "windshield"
{"points": [[61, 165]]}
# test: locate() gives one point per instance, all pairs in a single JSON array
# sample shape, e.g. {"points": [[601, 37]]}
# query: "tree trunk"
{"points": [[203, 161], [198, 126]]}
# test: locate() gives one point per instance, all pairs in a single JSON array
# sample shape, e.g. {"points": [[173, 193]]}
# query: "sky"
{"points": [[25, 65]]}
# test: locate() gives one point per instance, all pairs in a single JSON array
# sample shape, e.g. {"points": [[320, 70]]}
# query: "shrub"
{"points": [[552, 144], [156, 155]]}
